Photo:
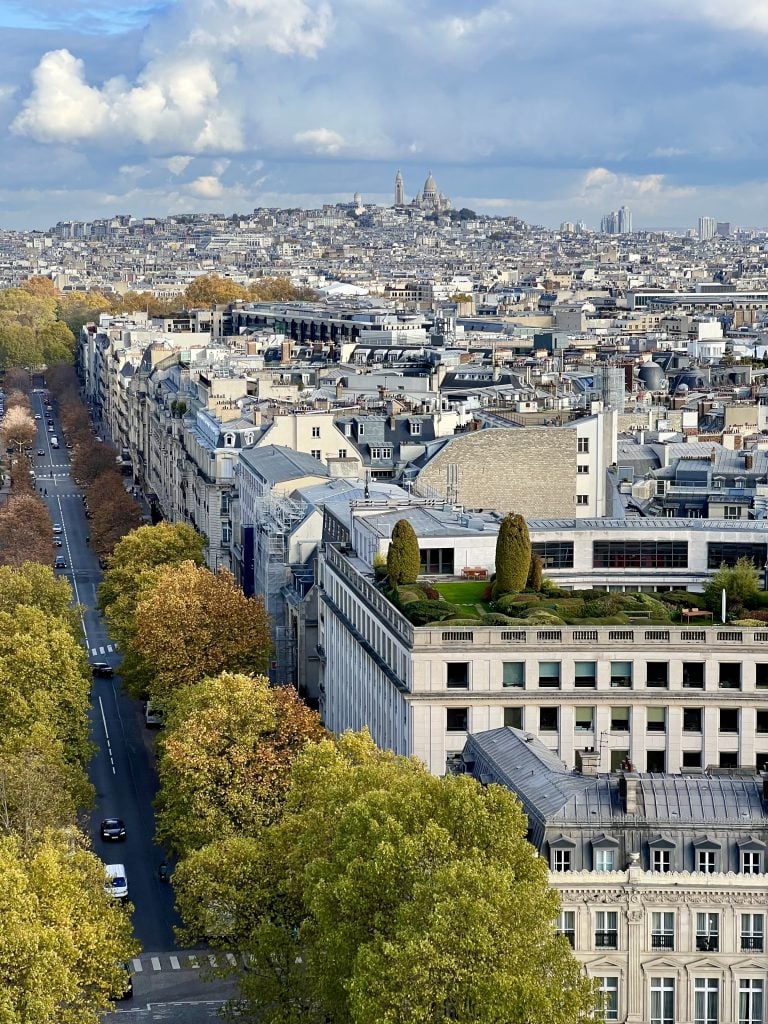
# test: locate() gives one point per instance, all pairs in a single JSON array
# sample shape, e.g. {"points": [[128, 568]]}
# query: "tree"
{"points": [[513, 555], [225, 758], [42, 287], [25, 525], [741, 584], [62, 938], [134, 566], [18, 427], [114, 511], [194, 623], [213, 290], [78, 308], [535, 574], [403, 558], [278, 289], [37, 586], [386, 894]]}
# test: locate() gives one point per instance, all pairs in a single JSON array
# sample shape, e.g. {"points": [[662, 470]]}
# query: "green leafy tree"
{"points": [[62, 936], [386, 894], [513, 555], [741, 584], [37, 586], [225, 758], [403, 558], [535, 574], [194, 623]]}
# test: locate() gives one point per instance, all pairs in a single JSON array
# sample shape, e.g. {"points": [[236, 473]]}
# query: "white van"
{"points": [[54, 442], [117, 881], [153, 716]]}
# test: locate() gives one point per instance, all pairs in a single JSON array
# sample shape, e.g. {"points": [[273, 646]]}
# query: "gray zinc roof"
{"points": [[277, 464]]}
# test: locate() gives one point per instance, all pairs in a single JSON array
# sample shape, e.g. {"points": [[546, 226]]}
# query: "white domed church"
{"points": [[430, 199]]}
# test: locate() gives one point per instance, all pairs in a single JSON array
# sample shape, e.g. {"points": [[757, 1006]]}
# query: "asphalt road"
{"points": [[122, 770]]}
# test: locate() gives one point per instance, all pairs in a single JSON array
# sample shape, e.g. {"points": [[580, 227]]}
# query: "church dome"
{"points": [[430, 185]]}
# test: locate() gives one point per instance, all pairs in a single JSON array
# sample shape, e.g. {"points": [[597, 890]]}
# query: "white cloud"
{"points": [[283, 26], [206, 187], [177, 164], [320, 140], [62, 107]]}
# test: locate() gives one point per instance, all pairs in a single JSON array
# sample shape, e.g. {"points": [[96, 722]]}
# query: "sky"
{"points": [[548, 110]]}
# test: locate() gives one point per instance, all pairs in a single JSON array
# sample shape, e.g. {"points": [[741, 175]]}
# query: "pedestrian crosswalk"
{"points": [[106, 649], [186, 961]]}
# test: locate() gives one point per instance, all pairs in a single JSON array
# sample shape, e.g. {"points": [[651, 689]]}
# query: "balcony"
{"points": [[607, 940], [662, 940], [751, 943], [707, 943]]}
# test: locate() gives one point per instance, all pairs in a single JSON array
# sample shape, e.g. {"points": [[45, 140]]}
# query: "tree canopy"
{"points": [[403, 558], [513, 555], [384, 894], [740, 582], [225, 756], [193, 623]]}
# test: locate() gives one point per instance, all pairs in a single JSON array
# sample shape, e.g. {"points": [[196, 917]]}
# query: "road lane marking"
{"points": [[175, 963], [138, 966], [155, 963], [106, 733]]}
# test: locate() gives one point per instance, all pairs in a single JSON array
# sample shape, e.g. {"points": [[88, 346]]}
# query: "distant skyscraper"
{"points": [[707, 227], [399, 190], [617, 222], [625, 221], [724, 228]]}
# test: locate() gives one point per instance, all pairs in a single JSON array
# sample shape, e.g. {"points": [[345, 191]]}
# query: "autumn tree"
{"points": [[114, 511], [278, 289], [18, 427], [134, 566], [37, 586], [403, 558], [213, 290], [41, 287], [146, 302], [513, 555], [225, 758], [384, 893], [78, 308], [17, 379], [62, 936], [194, 623], [25, 525]]}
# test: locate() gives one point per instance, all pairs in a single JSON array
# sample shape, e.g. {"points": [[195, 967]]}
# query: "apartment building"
{"points": [[661, 878]]}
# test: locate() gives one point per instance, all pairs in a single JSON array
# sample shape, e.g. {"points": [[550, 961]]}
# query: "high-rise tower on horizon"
{"points": [[399, 190]]}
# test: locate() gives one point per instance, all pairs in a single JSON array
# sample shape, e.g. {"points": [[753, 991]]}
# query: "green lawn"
{"points": [[467, 593]]}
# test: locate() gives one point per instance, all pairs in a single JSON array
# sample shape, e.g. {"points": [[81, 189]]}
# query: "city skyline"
{"points": [[105, 109]]}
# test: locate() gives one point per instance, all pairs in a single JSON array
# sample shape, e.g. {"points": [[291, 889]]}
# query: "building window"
{"points": [[415, 426], [708, 932], [751, 862], [606, 929], [661, 861], [706, 1001], [728, 759], [751, 1001], [605, 859], [381, 454], [562, 859], [693, 675], [585, 674], [513, 673], [360, 429], [656, 761], [730, 675], [582, 499], [731, 512], [730, 554], [566, 925], [554, 554], [342, 453], [662, 930], [315, 431], [316, 454], [549, 674], [657, 674], [224, 507], [656, 719], [457, 675], [729, 720], [582, 445], [692, 719], [608, 998], [226, 533], [584, 719], [620, 719], [513, 718], [582, 469], [752, 933], [706, 861], [621, 673], [662, 1001], [548, 719], [639, 554], [761, 720], [761, 675], [436, 561], [456, 719], [691, 759]]}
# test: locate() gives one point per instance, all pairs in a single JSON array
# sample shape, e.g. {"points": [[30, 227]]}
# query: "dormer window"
{"points": [[707, 855], [415, 427], [660, 854], [561, 852], [229, 440], [360, 429], [752, 857]]}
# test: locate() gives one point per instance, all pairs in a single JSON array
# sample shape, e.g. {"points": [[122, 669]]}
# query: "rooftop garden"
{"points": [[518, 594]]}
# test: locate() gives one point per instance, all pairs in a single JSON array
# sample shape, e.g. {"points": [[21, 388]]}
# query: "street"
{"points": [[122, 770]]}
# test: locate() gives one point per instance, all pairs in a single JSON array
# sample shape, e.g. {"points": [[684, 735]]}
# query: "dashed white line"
{"points": [[138, 967], [175, 963], [106, 734], [155, 963]]}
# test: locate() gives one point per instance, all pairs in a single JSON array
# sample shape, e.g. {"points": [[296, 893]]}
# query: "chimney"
{"points": [[628, 787], [748, 460], [712, 455], [339, 389], [588, 761]]}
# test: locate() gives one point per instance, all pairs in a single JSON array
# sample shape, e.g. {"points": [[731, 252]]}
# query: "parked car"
{"points": [[116, 883], [57, 542], [60, 563], [102, 670], [41, 452], [57, 527], [112, 829]]}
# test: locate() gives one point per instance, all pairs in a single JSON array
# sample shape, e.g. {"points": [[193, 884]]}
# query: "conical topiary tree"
{"points": [[513, 556], [403, 559], [535, 574]]}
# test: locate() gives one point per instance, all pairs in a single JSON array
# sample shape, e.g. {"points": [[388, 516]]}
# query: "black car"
{"points": [[41, 452], [102, 669], [113, 829]]}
